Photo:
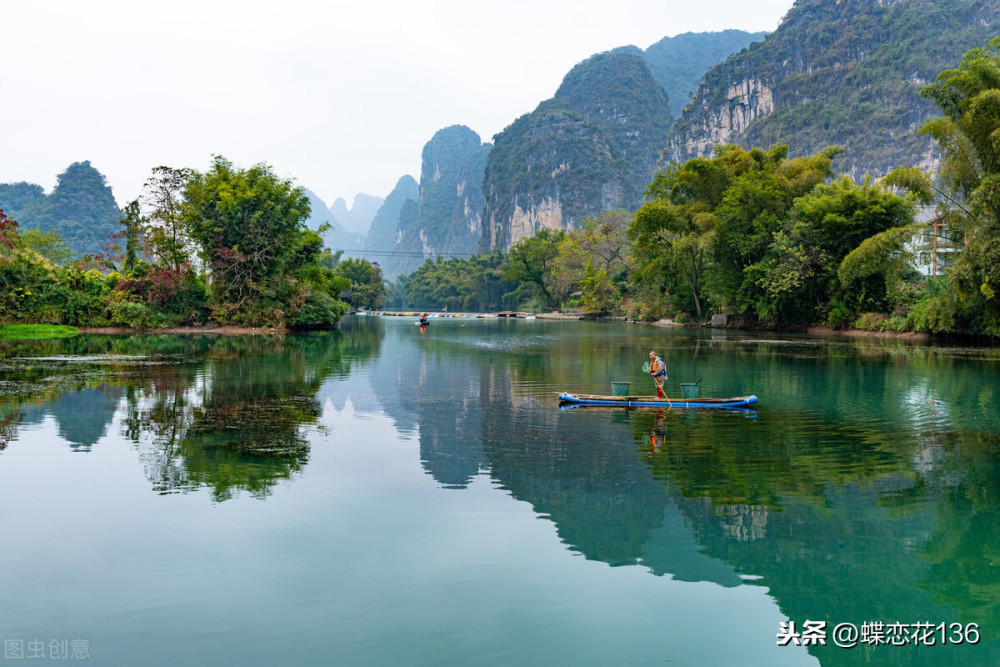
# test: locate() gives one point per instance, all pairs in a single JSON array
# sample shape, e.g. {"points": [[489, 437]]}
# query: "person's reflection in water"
{"points": [[658, 426]]}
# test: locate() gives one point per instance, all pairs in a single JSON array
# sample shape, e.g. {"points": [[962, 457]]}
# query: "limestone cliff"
{"points": [[845, 72], [447, 219], [592, 147], [679, 62]]}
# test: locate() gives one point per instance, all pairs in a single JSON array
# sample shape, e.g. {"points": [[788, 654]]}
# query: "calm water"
{"points": [[386, 496]]}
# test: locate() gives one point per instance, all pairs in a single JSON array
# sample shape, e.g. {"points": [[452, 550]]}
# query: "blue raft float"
{"points": [[655, 402]]}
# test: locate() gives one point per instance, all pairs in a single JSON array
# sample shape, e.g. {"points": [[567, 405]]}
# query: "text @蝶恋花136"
{"points": [[877, 633]]}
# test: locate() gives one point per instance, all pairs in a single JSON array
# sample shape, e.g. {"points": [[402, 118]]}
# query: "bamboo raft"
{"points": [[656, 402]]}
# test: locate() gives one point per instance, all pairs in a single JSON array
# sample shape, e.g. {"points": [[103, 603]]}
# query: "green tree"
{"points": [[475, 284], [165, 233], [755, 206], [828, 224], [672, 237], [367, 289], [47, 244], [759, 234], [250, 225], [599, 293], [132, 222], [875, 270], [967, 134], [531, 261], [708, 232], [602, 242]]}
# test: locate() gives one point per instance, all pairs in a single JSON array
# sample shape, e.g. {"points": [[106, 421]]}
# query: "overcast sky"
{"points": [[339, 95]]}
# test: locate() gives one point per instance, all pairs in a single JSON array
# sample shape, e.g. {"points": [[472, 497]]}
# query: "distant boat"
{"points": [[656, 402]]}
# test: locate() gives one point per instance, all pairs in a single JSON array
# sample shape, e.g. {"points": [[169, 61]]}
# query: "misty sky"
{"points": [[339, 95]]}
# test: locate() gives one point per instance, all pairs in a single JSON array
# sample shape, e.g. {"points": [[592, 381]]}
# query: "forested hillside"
{"points": [[846, 73], [81, 208], [591, 148], [679, 62]]}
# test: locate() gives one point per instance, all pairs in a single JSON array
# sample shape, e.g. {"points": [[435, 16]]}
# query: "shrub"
{"points": [[936, 313], [133, 314], [871, 322], [898, 324], [319, 310], [840, 316], [77, 308], [644, 312]]}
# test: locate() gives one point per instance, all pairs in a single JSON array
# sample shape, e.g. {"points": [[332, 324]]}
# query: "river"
{"points": [[387, 495]]}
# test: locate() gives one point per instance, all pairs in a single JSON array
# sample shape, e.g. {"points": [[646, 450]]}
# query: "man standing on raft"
{"points": [[658, 370]]}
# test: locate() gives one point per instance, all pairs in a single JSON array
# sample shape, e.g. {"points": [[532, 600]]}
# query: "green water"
{"points": [[383, 495]]}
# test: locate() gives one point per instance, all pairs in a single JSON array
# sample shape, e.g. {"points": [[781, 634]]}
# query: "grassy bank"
{"points": [[36, 331]]}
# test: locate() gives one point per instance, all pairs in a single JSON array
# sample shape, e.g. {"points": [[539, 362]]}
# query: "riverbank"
{"points": [[229, 330], [207, 329], [919, 336], [665, 322]]}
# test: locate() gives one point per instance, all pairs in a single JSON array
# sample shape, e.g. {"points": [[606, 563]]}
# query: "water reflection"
{"points": [[864, 488], [227, 413]]}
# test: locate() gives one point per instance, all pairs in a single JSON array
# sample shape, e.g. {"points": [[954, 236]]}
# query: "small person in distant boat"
{"points": [[423, 320], [658, 370]]}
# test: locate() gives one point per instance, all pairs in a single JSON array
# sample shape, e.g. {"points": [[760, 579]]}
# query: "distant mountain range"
{"points": [[358, 218], [343, 234], [845, 72], [593, 146], [448, 215]]}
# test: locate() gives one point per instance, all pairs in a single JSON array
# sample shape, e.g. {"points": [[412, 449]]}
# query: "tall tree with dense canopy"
{"points": [[969, 137], [602, 243], [367, 289], [759, 235], [711, 222], [165, 234], [131, 222], [531, 262], [250, 225]]}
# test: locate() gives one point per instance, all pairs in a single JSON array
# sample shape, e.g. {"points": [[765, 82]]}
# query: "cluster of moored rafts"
{"points": [[656, 402]]}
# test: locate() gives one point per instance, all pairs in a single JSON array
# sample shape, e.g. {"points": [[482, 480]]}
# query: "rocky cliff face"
{"points": [[847, 73], [679, 62], [593, 147], [384, 230], [447, 217]]}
